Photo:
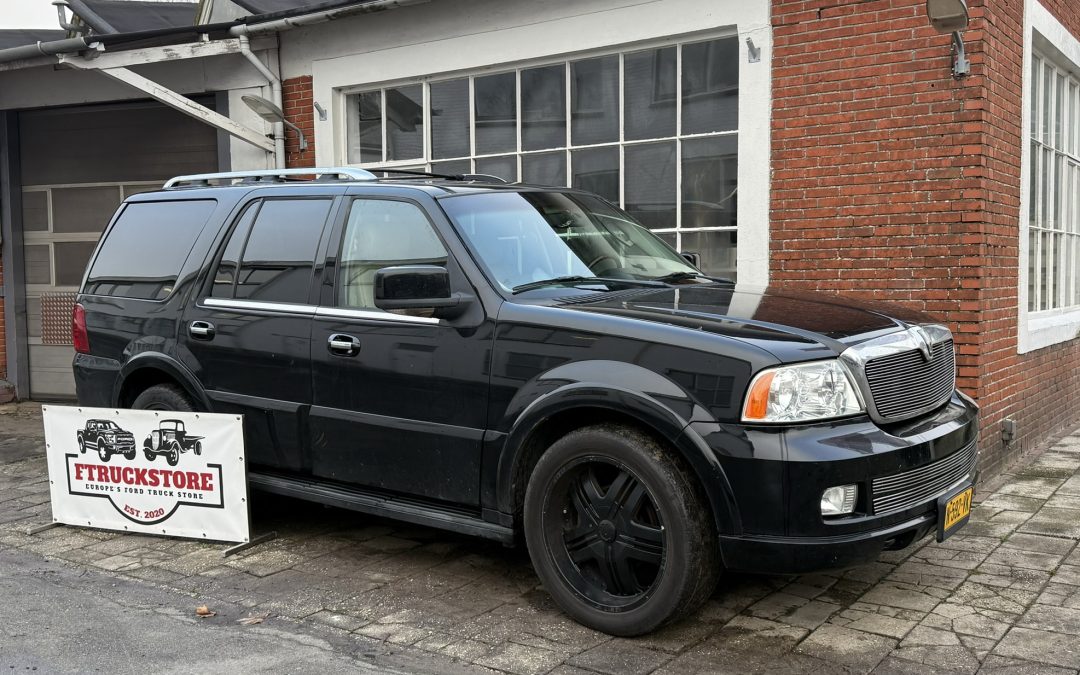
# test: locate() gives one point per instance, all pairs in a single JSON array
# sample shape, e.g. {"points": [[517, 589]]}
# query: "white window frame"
{"points": [[1044, 34], [567, 149], [374, 52]]}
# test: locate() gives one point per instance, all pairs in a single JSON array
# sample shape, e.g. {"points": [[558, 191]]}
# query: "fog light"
{"points": [[839, 500]]}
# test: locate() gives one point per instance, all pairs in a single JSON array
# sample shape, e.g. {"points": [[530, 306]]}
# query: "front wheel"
{"points": [[618, 532], [173, 456], [103, 451]]}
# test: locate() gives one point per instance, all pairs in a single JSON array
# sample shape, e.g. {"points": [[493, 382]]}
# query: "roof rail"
{"points": [[270, 176], [477, 177]]}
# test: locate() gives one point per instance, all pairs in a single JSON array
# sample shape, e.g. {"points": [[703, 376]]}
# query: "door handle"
{"points": [[343, 345], [201, 330]]}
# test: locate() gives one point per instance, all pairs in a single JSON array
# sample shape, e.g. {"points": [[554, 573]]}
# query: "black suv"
{"points": [[502, 359]]}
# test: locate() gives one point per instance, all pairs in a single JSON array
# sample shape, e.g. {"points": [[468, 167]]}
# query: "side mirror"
{"points": [[692, 258], [416, 287]]}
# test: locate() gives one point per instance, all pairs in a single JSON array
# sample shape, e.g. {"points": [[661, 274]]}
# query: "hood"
{"points": [[794, 325]]}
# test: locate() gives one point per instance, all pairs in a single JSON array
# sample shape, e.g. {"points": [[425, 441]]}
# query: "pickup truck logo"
{"points": [[140, 492]]}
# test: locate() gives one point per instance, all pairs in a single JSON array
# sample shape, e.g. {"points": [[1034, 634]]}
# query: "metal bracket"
{"points": [[753, 52], [961, 65], [181, 103], [254, 541], [38, 529]]}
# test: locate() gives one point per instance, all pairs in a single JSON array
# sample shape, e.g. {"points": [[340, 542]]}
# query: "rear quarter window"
{"points": [[142, 254]]}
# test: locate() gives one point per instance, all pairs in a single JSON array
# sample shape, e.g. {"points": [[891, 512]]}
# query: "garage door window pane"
{"points": [[543, 108], [450, 119], [364, 117], [710, 174], [496, 113], [71, 259], [35, 211], [38, 264], [650, 82], [504, 167], [84, 209], [710, 86], [405, 123], [146, 247], [597, 170], [548, 168], [717, 251], [594, 100], [280, 252], [650, 183]]}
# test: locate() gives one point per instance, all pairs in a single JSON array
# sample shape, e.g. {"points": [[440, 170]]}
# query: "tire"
{"points": [[198, 448], [149, 455], [129, 455], [82, 446], [164, 397], [173, 456], [103, 451], [618, 531]]}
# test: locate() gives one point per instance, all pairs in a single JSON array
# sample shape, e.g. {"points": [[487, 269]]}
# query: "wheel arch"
{"points": [[146, 370], [580, 405]]}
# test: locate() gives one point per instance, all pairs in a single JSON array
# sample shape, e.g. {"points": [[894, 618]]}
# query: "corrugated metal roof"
{"points": [[17, 37], [128, 16]]}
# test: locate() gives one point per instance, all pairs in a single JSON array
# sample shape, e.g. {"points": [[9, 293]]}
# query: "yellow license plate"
{"points": [[958, 508]]}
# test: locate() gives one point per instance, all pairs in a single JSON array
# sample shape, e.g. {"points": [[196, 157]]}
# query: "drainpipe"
{"points": [[275, 96]]}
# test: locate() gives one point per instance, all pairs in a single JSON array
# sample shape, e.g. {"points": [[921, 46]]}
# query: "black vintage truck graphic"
{"points": [[170, 439], [106, 439]]}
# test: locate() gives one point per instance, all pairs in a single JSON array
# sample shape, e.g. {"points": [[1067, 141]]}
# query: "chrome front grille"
{"points": [[917, 486], [906, 383]]}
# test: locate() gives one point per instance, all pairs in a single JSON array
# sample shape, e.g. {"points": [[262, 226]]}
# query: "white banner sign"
{"points": [[158, 472]]}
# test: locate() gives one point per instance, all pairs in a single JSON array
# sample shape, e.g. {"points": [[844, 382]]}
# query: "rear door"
{"points": [[247, 333], [399, 400]]}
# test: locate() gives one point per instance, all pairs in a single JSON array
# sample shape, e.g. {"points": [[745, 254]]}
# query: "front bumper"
{"points": [[777, 476]]}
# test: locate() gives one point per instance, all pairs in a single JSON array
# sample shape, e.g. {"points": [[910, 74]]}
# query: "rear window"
{"points": [[146, 247]]}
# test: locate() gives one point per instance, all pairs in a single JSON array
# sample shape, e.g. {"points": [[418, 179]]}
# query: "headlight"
{"points": [[801, 393], [839, 500]]}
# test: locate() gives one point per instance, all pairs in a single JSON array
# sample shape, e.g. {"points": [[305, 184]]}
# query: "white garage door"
{"points": [[78, 164]]}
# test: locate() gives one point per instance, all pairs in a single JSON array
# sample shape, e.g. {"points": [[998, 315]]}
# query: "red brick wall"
{"points": [[300, 109], [893, 181]]}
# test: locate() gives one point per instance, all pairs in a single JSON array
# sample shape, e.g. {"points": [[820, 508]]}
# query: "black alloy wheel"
{"points": [[103, 450], [618, 530], [609, 542]]}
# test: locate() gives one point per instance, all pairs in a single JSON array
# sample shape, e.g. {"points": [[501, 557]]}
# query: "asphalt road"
{"points": [[57, 620]]}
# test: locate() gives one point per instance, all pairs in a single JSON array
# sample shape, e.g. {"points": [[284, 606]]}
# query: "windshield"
{"points": [[526, 237], [109, 425]]}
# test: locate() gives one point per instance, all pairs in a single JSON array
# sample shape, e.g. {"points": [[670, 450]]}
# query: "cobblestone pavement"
{"points": [[1003, 595]]}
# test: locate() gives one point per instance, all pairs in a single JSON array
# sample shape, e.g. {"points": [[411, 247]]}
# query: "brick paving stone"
{"points": [[1001, 665], [1041, 646], [859, 651]]}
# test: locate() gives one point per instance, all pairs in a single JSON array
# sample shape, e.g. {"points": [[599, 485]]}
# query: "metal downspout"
{"points": [[275, 96]]}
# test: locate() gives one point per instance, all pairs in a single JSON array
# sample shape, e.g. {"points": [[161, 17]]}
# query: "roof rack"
{"points": [[478, 177], [270, 176]]}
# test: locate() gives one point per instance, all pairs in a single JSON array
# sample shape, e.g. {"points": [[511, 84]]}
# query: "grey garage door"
{"points": [[78, 164]]}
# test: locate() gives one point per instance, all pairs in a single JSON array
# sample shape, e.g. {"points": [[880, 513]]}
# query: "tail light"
{"points": [[79, 337]]}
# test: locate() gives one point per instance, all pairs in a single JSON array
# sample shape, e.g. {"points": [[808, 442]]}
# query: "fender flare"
{"points": [[650, 413], [165, 364]]}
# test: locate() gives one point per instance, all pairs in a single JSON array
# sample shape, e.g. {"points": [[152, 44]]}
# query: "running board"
{"points": [[380, 504]]}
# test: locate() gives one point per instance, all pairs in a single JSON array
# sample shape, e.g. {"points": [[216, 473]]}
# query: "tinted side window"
{"points": [[146, 247], [379, 234], [225, 277], [278, 251]]}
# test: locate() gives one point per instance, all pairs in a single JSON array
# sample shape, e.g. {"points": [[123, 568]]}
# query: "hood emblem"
{"points": [[922, 341]]}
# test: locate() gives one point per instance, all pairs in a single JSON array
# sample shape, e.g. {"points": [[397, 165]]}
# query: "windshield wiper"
{"points": [[572, 280], [684, 276]]}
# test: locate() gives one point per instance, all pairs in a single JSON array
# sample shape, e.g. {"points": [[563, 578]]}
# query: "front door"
{"points": [[247, 335], [399, 400]]}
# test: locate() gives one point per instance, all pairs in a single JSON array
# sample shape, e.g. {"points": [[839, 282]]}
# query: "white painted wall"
{"points": [[442, 37]]}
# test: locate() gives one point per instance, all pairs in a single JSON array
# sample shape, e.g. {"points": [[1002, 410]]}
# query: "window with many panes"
{"points": [[1054, 197], [652, 130]]}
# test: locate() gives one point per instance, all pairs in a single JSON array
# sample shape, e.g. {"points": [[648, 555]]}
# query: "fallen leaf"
{"points": [[204, 611], [252, 620]]}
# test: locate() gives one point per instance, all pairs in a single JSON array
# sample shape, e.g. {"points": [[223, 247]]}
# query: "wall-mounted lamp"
{"points": [[951, 16], [271, 113]]}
